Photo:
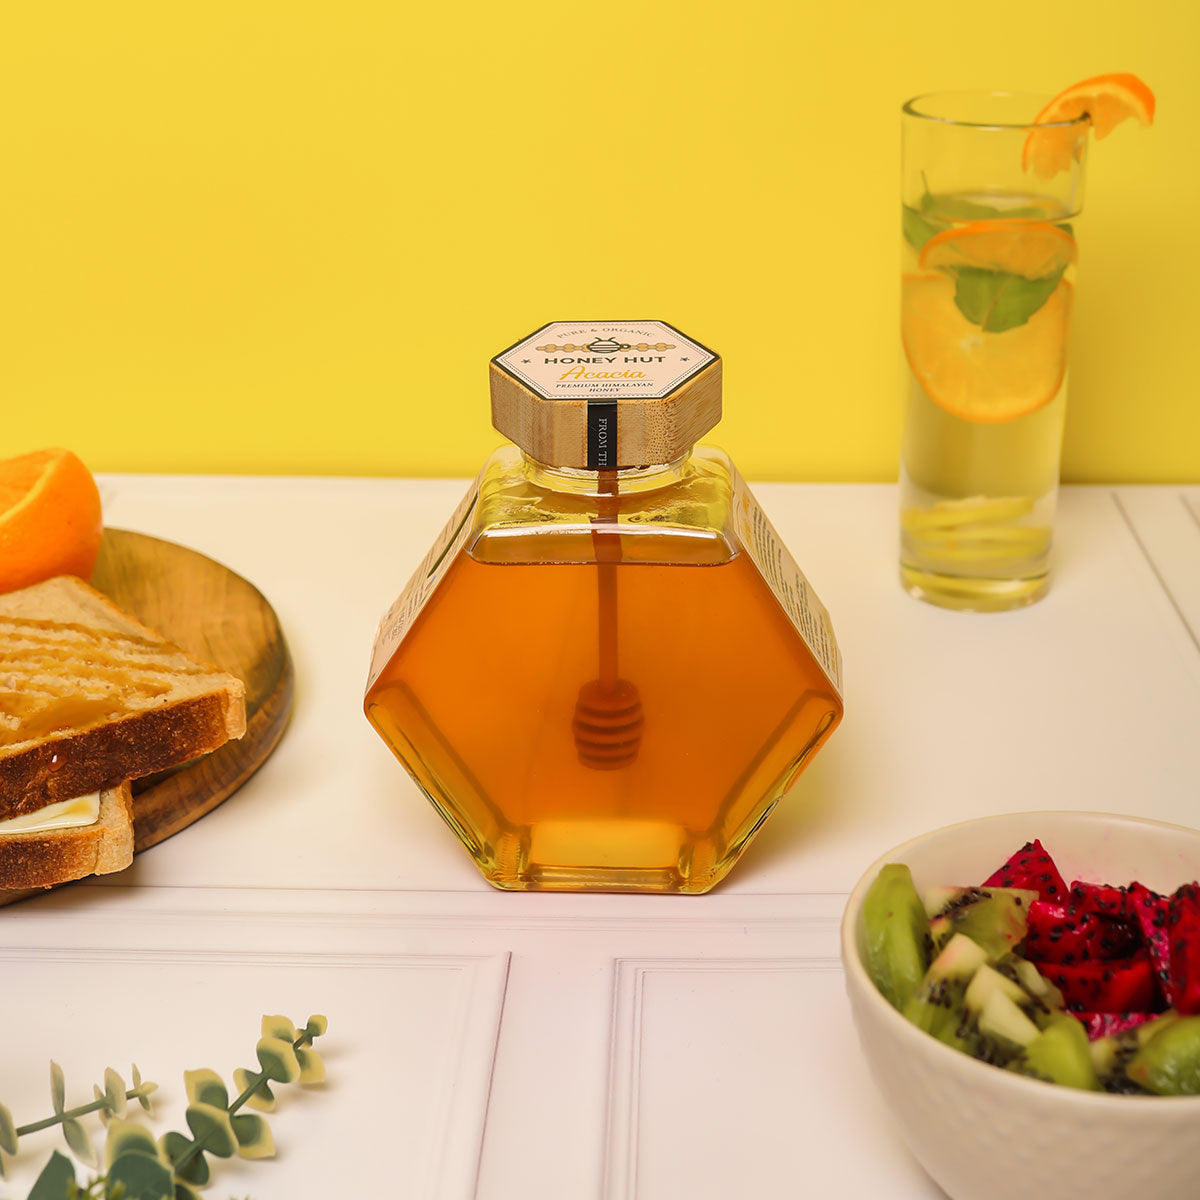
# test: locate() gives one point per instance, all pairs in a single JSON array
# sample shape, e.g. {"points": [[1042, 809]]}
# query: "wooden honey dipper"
{"points": [[608, 719]]}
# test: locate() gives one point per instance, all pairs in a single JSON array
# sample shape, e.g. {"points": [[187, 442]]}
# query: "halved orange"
{"points": [[49, 518], [1033, 249], [1106, 101], [978, 376]]}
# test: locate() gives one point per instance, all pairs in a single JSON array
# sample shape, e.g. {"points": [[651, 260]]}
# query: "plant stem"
{"points": [[72, 1113], [252, 1085]]}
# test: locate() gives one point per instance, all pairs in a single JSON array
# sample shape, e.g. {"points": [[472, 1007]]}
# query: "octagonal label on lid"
{"points": [[605, 360]]}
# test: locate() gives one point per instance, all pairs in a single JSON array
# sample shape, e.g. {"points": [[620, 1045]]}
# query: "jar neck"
{"points": [[625, 481]]}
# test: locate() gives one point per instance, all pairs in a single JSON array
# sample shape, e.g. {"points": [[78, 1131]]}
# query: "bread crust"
{"points": [[45, 858], [89, 760], [76, 762]]}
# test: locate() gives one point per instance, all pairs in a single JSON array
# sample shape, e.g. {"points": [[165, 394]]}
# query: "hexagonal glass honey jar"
{"points": [[608, 670]]}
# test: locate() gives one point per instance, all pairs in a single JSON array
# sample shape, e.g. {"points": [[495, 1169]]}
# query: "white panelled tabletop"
{"points": [[548, 1047]]}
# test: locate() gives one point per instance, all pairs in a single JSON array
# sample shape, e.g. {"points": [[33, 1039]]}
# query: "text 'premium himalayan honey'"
{"points": [[608, 669]]}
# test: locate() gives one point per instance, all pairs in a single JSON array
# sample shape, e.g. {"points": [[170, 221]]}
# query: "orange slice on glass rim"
{"points": [[1033, 249], [1106, 101], [978, 376]]}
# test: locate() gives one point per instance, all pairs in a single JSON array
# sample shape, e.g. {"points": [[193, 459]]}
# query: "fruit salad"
{"points": [[1087, 985]]}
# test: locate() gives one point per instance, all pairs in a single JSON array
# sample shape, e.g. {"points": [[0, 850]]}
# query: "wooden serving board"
{"points": [[219, 617]]}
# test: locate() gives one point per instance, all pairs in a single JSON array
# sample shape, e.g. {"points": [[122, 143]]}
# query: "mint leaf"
{"points": [[996, 300], [960, 208], [917, 229]]}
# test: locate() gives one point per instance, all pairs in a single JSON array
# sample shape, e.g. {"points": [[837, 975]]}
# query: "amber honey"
{"points": [[608, 669], [479, 702]]}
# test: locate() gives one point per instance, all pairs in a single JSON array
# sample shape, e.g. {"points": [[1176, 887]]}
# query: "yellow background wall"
{"points": [[287, 236]]}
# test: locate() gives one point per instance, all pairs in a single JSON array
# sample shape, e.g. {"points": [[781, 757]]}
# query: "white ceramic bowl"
{"points": [[988, 1134]]}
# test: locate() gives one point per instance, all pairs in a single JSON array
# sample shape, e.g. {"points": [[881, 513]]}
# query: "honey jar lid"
{"points": [[603, 395]]}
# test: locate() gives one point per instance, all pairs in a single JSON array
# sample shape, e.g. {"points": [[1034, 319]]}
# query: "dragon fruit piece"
{"points": [[1122, 986], [1151, 911], [1103, 900], [1060, 933], [1104, 1024], [1183, 924], [1032, 868]]}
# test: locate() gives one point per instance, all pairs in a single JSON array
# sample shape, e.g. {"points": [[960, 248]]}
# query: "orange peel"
{"points": [[50, 520], [1105, 100]]}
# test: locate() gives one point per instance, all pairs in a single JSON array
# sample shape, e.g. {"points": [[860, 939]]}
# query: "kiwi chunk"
{"points": [[1005, 1024], [1168, 1063], [996, 917], [1060, 1054], [938, 1006], [1112, 1054], [1033, 981], [988, 980], [896, 934]]}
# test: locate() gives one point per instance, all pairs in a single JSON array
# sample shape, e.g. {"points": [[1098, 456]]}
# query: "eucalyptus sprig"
{"points": [[172, 1167], [109, 1103], [140, 1168]]}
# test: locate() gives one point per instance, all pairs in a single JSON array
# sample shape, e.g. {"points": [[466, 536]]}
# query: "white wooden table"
{"points": [[549, 1047]]}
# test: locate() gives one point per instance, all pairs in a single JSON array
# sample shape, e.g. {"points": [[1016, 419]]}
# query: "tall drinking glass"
{"points": [[988, 280]]}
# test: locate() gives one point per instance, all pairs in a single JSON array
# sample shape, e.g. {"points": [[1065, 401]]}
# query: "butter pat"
{"points": [[63, 814]]}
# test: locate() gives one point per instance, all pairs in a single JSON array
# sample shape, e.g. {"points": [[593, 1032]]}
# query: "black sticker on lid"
{"points": [[601, 435]]}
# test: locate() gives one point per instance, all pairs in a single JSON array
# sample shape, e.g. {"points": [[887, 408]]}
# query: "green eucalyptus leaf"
{"points": [[173, 1146], [142, 1177], [312, 1066], [195, 1170], [56, 1177], [253, 1136], [206, 1087], [58, 1088], [184, 1192], [103, 1113], [127, 1137], [79, 1141], [278, 1058], [262, 1098], [996, 300], [176, 1147], [114, 1093], [143, 1090], [210, 1127], [316, 1026], [8, 1131], [279, 1027]]}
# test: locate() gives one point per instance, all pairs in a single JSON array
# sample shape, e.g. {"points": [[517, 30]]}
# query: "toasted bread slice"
{"points": [[89, 698], [44, 858]]}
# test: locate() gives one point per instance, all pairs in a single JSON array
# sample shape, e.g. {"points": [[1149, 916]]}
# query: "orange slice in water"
{"points": [[1033, 249], [1106, 100], [978, 376], [49, 518]]}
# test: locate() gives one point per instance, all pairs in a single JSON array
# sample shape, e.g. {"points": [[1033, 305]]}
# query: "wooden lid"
{"points": [[602, 395]]}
